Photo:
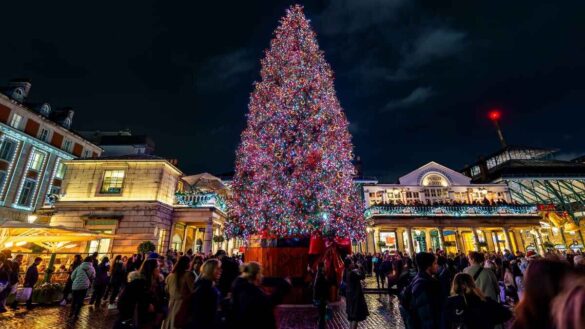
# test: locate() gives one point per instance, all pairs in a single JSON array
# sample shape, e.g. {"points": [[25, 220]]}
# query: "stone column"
{"points": [[507, 239], [185, 239], [428, 239], [441, 238], [494, 241], [410, 242], [475, 238], [207, 242], [400, 240], [458, 242]]}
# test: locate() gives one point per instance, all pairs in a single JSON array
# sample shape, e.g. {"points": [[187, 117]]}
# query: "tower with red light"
{"points": [[495, 115]]}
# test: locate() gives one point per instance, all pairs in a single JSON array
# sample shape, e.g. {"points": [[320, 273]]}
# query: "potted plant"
{"points": [[146, 247], [219, 239]]}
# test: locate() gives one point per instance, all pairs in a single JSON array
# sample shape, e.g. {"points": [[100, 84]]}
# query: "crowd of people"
{"points": [[434, 290], [483, 290]]}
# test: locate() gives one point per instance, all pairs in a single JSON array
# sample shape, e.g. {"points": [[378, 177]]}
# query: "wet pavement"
{"points": [[383, 314]]}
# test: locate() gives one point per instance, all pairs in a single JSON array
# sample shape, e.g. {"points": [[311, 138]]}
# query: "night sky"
{"points": [[415, 78]]}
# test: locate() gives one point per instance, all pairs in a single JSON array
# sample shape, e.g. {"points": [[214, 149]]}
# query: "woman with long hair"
{"points": [[141, 303], [179, 285], [542, 282], [205, 299], [568, 309], [465, 306], [117, 276]]}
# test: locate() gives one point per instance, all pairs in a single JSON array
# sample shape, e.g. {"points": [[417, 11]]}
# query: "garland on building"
{"points": [[294, 175]]}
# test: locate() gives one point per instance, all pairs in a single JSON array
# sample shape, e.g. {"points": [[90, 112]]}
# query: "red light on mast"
{"points": [[495, 115]]}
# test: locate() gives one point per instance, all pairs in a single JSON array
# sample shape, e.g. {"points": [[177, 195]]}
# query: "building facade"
{"points": [[35, 140], [536, 176], [139, 198], [436, 207]]}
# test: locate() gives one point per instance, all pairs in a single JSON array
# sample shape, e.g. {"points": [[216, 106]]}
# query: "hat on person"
{"points": [[152, 255], [531, 254]]}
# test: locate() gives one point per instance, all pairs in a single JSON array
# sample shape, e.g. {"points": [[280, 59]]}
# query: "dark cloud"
{"points": [[432, 45], [351, 16], [416, 97], [226, 70]]}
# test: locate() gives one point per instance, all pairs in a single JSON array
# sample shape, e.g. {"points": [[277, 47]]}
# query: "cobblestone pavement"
{"points": [[383, 314]]}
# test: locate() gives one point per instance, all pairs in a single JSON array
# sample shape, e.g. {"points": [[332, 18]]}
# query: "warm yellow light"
{"points": [[20, 243], [31, 219], [9, 244], [69, 246]]}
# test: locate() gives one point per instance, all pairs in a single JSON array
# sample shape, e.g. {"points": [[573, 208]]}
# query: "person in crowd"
{"points": [[67, 289], [81, 279], [16, 263], [95, 261], [355, 302], [117, 275], [568, 308], [579, 263], [369, 264], [5, 274], [162, 264], [254, 308], [378, 271], [179, 285], [101, 282], [542, 282], [469, 308], [394, 276], [230, 271], [385, 269], [444, 276], [205, 299], [320, 294], [141, 304], [485, 279], [425, 303], [196, 267], [31, 278]]}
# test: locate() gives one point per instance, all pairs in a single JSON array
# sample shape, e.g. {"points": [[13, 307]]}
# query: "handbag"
{"points": [[23, 294]]}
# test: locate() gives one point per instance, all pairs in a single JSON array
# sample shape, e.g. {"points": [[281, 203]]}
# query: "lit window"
{"points": [[162, 237], [16, 121], [27, 192], [7, 150], [113, 180], [44, 135], [37, 161], [60, 172], [67, 145]]}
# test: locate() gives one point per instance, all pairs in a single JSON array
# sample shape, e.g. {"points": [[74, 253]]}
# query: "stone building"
{"points": [[35, 140], [140, 198], [436, 207]]}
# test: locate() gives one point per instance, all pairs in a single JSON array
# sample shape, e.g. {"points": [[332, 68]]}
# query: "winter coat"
{"points": [[487, 281], [254, 308], [320, 288], [177, 293], [118, 273], [355, 302], [426, 302], [135, 301], [469, 311], [31, 277], [204, 305], [101, 275], [82, 276]]}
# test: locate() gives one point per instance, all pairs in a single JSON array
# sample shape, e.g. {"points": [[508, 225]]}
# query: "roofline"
{"points": [[100, 160], [490, 155], [49, 120]]}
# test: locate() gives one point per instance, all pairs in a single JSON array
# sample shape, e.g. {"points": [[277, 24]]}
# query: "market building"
{"points": [[139, 198], [35, 140], [537, 176], [436, 207]]}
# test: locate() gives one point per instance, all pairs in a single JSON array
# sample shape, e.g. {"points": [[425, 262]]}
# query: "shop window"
{"points": [[112, 182]]}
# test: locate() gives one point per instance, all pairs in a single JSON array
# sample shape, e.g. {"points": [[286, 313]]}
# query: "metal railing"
{"points": [[201, 200], [451, 210]]}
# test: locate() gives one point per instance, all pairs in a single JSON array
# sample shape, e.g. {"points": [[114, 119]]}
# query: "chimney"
{"points": [[20, 89]]}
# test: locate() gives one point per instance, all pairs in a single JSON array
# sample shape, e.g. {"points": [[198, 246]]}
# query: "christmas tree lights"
{"points": [[294, 175]]}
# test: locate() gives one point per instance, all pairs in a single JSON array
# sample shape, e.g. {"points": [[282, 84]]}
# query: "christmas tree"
{"points": [[294, 175]]}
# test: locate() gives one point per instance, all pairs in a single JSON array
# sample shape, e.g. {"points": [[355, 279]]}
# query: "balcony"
{"points": [[451, 211], [201, 200]]}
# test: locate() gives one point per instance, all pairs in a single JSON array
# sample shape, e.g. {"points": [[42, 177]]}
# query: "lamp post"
{"points": [[495, 115]]}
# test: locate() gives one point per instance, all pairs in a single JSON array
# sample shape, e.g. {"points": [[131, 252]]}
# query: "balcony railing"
{"points": [[452, 211], [201, 200]]}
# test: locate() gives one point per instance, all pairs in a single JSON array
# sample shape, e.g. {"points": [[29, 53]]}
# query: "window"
{"points": [[102, 246], [53, 195], [86, 154], [37, 161], [112, 182], [16, 121], [7, 150], [27, 192], [60, 172], [67, 145], [44, 135], [162, 237], [2, 177]]}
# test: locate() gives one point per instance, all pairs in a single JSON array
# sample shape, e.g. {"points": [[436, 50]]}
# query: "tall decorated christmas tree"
{"points": [[294, 172]]}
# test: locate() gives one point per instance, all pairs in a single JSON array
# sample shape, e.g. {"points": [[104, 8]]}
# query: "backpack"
{"points": [[406, 307]]}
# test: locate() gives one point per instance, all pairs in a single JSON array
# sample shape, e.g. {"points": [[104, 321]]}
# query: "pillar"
{"points": [[185, 238], [507, 239], [539, 242], [207, 242], [370, 243], [441, 238], [428, 239], [410, 242], [562, 232], [458, 242], [494, 241], [400, 240], [475, 238]]}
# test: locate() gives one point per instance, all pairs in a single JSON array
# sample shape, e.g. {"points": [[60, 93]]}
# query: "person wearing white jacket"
{"points": [[81, 279]]}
